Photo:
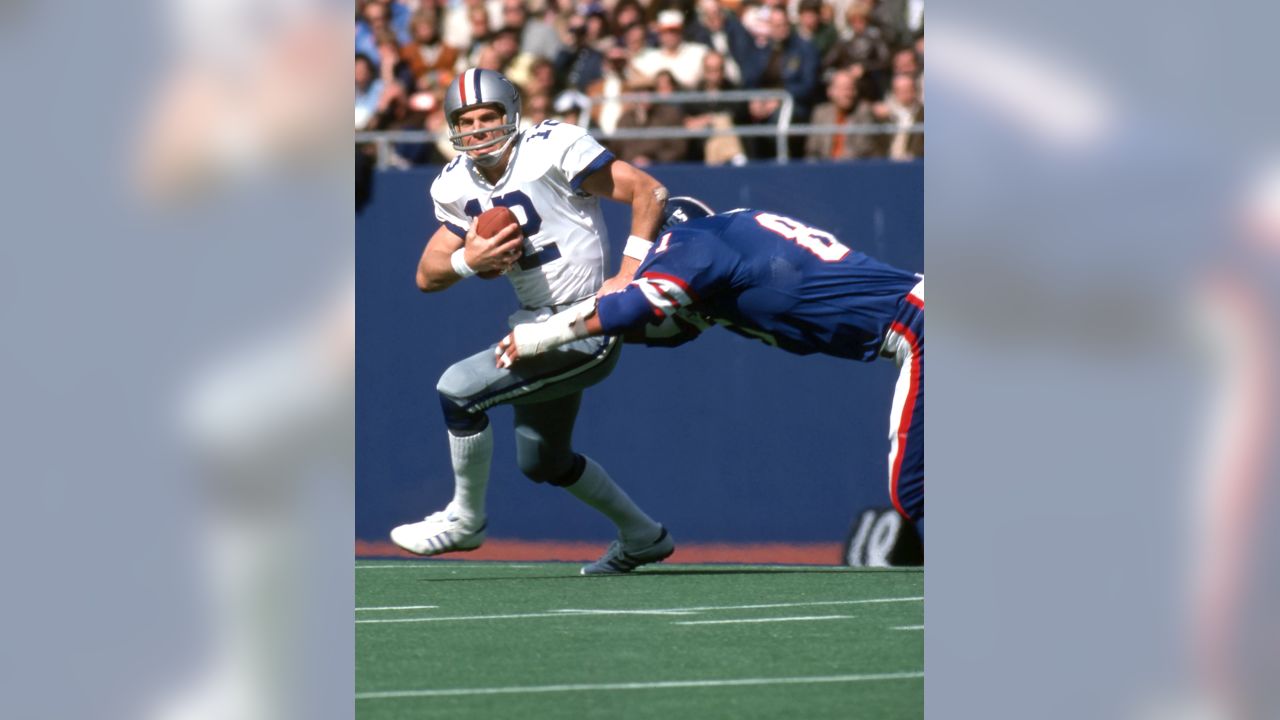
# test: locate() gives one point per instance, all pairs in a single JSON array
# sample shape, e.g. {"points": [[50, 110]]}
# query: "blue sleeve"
{"points": [[604, 158], [622, 311], [686, 266]]}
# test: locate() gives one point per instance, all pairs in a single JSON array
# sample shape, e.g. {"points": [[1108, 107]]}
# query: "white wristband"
{"points": [[460, 266], [637, 247]]}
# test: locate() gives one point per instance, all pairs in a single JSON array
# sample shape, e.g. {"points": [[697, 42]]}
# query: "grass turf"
{"points": [[464, 662]]}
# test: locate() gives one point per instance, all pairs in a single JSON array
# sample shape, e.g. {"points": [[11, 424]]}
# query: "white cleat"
{"points": [[438, 533]]}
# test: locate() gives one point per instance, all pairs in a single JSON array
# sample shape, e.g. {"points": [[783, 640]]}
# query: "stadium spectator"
{"points": [[783, 60], [722, 31], [597, 24], [715, 114], [844, 107], [427, 53], [863, 44], [579, 64], [376, 95], [478, 35], [812, 27], [789, 62], [771, 278], [636, 40], [899, 19], [458, 25], [625, 14], [618, 75], [376, 17], [391, 64], [647, 151], [365, 44], [536, 37], [541, 80], [508, 58], [904, 109], [421, 106], [537, 107], [682, 59], [905, 62]]}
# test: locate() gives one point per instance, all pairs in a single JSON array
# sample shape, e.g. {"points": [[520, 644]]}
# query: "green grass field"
{"points": [[456, 639]]}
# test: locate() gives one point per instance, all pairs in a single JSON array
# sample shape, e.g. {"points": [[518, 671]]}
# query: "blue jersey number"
{"points": [[548, 124], [530, 224]]}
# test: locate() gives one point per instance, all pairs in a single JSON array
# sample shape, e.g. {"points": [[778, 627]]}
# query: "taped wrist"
{"points": [[559, 329], [460, 266]]}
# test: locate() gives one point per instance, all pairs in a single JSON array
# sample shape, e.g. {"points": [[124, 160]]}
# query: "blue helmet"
{"points": [[681, 209]]}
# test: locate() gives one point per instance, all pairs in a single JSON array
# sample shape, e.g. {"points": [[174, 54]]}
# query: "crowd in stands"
{"points": [[844, 62]]}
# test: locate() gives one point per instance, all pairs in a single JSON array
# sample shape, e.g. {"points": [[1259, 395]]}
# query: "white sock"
{"points": [[598, 490], [472, 455]]}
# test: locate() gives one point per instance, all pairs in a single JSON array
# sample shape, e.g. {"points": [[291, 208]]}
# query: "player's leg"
{"points": [[461, 525], [906, 424], [469, 388], [544, 449]]}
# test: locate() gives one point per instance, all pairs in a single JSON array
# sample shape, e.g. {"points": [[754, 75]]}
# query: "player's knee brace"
{"points": [[541, 464], [458, 420]]}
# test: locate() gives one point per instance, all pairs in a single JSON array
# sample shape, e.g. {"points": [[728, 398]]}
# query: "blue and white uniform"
{"points": [[565, 247], [563, 262], [798, 288]]}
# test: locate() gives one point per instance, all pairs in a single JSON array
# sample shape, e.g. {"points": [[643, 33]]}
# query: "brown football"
{"points": [[488, 224]]}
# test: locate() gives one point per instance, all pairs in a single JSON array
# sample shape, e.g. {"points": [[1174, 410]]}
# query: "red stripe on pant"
{"points": [[908, 410]]}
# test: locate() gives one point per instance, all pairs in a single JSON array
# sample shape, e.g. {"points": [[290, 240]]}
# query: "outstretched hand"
{"points": [[506, 354]]}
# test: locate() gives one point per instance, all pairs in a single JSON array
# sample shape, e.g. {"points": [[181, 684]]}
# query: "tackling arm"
{"points": [[609, 315], [626, 183]]}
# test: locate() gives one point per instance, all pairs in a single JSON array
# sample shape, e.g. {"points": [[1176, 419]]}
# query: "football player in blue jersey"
{"points": [[775, 279]]}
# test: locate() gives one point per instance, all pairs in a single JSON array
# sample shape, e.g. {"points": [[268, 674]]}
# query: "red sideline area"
{"points": [[544, 550]]}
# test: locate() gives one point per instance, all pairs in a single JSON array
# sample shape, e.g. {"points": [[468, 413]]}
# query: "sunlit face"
{"points": [[713, 69], [375, 15], [424, 30], [904, 89], [779, 26], [905, 62], [842, 90], [481, 118], [670, 37]]}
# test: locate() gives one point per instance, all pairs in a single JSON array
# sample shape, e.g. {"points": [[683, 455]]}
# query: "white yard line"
{"points": [[398, 607], [627, 612], [868, 601], [570, 612], [909, 627], [513, 616], [762, 620], [730, 682]]}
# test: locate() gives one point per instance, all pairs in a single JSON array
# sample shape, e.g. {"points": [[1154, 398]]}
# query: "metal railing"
{"points": [[781, 129]]}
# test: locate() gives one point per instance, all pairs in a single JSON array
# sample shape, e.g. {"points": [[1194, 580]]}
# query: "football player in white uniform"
{"points": [[550, 176]]}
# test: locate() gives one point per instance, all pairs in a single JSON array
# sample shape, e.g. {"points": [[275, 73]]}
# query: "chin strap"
{"points": [[491, 159]]}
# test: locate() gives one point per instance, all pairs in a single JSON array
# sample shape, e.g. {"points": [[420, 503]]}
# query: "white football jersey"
{"points": [[565, 248]]}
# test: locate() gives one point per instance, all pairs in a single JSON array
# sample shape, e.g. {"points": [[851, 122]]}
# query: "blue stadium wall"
{"points": [[723, 439]]}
